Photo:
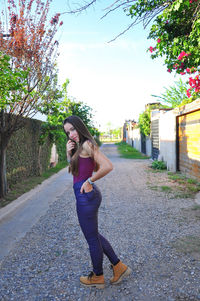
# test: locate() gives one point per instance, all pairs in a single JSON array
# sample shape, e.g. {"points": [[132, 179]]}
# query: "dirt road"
{"points": [[156, 234]]}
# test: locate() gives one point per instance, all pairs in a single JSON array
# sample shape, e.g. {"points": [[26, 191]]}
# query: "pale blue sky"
{"points": [[116, 79]]}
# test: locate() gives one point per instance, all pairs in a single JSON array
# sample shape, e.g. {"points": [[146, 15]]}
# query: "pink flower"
{"points": [[181, 55], [182, 73], [158, 40], [169, 70], [61, 23], [175, 66], [188, 70], [152, 49], [188, 93]]}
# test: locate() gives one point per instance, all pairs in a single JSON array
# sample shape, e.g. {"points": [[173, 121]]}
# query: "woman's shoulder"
{"points": [[89, 147]]}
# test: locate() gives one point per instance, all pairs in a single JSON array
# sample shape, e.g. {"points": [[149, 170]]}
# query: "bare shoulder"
{"points": [[89, 148]]}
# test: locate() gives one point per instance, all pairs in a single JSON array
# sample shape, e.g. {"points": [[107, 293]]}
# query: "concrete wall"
{"points": [[148, 146], [167, 132], [133, 138], [136, 139], [54, 156], [167, 137]]}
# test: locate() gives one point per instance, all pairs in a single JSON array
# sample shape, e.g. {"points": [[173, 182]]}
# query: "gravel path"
{"points": [[143, 226]]}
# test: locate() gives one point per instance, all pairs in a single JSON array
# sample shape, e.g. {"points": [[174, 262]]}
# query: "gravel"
{"points": [[142, 225]]}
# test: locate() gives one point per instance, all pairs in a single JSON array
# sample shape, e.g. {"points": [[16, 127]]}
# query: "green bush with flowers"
{"points": [[176, 30]]}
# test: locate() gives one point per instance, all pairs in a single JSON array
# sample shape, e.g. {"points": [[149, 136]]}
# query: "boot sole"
{"points": [[99, 286], [126, 273]]}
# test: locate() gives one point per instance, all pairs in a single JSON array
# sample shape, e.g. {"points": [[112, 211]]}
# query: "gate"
{"points": [[188, 152], [143, 143]]}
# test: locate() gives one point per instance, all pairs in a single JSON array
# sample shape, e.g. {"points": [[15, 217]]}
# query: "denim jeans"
{"points": [[87, 205]]}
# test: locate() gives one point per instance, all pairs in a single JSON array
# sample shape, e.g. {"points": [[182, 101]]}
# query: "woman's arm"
{"points": [[105, 165]]}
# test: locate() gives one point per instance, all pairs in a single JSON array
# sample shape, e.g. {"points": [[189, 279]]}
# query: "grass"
{"points": [[188, 244], [16, 190], [177, 185], [128, 152], [166, 188], [158, 165], [154, 187], [196, 207], [187, 187]]}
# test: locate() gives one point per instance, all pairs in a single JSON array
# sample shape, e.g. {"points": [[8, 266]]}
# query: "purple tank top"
{"points": [[85, 169]]}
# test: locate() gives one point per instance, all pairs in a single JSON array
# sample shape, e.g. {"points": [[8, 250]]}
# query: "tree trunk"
{"points": [[4, 139], [3, 178]]}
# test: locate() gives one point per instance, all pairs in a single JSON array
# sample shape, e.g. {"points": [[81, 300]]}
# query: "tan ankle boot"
{"points": [[120, 271], [93, 280]]}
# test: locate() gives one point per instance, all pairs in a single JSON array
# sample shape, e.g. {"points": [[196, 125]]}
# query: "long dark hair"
{"points": [[84, 135]]}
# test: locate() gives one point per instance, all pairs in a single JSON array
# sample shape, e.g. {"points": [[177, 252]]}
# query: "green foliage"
{"points": [[57, 108], [25, 157], [174, 96], [145, 118], [176, 31], [11, 80], [160, 165], [145, 122]]}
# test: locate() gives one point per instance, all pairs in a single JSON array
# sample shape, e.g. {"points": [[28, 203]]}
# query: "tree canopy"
{"points": [[27, 36]]}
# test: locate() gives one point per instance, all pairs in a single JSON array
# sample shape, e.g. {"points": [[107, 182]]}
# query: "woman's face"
{"points": [[71, 132]]}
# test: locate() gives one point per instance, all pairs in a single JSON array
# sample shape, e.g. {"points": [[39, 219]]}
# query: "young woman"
{"points": [[84, 157]]}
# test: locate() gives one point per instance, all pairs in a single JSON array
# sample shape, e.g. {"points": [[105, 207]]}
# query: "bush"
{"points": [[158, 165]]}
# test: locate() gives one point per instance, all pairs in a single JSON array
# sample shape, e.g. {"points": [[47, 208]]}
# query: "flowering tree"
{"points": [[28, 38], [176, 32]]}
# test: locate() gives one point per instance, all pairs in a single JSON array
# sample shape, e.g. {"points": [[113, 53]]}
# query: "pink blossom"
{"points": [[188, 93], [151, 49], [181, 55], [159, 40]]}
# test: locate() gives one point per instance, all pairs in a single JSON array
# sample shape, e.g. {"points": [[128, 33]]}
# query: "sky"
{"points": [[115, 79]]}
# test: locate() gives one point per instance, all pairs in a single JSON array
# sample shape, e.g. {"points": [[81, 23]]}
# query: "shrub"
{"points": [[158, 165]]}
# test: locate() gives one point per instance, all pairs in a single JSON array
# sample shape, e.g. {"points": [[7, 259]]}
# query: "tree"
{"points": [[174, 96], [141, 11], [176, 32], [59, 108], [29, 39], [145, 122], [145, 118]]}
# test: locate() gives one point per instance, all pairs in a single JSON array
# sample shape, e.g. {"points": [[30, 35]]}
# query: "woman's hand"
{"points": [[70, 146], [86, 187]]}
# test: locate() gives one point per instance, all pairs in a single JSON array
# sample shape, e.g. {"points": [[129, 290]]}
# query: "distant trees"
{"points": [[60, 107]]}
